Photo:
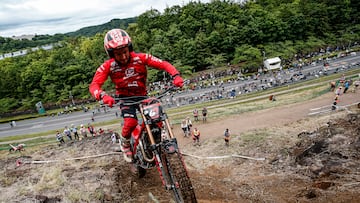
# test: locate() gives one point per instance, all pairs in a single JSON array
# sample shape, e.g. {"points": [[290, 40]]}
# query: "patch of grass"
{"points": [[32, 135], [7, 181], [78, 196], [98, 194], [72, 152], [24, 190], [254, 136], [52, 178], [29, 143]]}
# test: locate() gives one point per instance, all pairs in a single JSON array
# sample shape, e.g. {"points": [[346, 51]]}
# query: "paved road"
{"points": [[59, 122], [56, 122]]}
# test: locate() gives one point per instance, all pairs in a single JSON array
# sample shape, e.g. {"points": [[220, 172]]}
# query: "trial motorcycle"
{"points": [[153, 144]]}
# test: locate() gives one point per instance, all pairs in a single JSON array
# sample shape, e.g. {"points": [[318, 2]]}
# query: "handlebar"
{"points": [[133, 100]]}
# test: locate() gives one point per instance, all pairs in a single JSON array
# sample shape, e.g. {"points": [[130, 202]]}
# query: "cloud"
{"points": [[19, 17]]}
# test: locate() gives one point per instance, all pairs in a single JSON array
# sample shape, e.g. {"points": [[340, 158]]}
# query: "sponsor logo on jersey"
{"points": [[133, 84]]}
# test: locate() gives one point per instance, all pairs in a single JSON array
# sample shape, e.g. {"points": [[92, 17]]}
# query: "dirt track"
{"points": [[270, 134], [274, 117]]}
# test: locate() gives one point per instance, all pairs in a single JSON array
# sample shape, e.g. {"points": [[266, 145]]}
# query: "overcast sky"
{"points": [[18, 17]]}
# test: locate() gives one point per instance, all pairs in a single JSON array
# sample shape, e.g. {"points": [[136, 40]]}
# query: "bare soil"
{"points": [[305, 159]]}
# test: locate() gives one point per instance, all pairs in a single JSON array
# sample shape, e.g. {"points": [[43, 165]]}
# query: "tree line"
{"points": [[8, 45], [193, 37]]}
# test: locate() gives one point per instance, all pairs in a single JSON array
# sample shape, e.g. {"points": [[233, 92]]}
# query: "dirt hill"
{"points": [[292, 157]]}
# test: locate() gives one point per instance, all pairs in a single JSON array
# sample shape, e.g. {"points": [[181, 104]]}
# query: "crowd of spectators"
{"points": [[84, 132], [217, 83]]}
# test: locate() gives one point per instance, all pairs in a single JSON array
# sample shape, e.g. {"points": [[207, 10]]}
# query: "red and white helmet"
{"points": [[114, 39]]}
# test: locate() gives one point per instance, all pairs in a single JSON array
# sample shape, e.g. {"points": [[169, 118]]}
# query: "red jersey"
{"points": [[129, 80]]}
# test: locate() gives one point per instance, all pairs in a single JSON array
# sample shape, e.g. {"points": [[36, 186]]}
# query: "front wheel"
{"points": [[177, 176]]}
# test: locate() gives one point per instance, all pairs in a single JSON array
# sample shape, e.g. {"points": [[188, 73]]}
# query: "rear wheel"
{"points": [[177, 176]]}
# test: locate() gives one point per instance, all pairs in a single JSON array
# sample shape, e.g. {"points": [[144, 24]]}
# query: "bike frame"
{"points": [[145, 126]]}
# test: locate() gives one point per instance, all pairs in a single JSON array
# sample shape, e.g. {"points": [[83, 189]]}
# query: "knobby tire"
{"points": [[178, 176]]}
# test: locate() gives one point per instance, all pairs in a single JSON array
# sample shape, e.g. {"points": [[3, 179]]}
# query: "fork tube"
{"points": [[169, 128], [152, 140]]}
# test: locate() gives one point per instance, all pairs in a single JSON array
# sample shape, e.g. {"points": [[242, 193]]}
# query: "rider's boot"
{"points": [[125, 148], [129, 125]]}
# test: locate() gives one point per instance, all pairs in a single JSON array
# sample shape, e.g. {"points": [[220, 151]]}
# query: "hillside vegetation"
{"points": [[193, 37]]}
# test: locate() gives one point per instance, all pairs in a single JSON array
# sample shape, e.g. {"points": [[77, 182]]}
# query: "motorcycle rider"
{"points": [[128, 71]]}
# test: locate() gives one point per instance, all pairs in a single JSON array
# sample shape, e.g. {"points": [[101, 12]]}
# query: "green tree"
{"points": [[248, 56]]}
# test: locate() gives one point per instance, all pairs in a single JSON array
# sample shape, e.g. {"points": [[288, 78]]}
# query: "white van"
{"points": [[272, 63]]}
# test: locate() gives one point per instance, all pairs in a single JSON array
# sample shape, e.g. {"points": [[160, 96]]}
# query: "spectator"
{"points": [[83, 131], [59, 138], [75, 131], [91, 130], [113, 138], [185, 128], [204, 114], [227, 137], [356, 85], [196, 136], [346, 86], [342, 79], [338, 91], [101, 131], [67, 132], [272, 98], [336, 99], [332, 86], [196, 115], [189, 123], [333, 106]]}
